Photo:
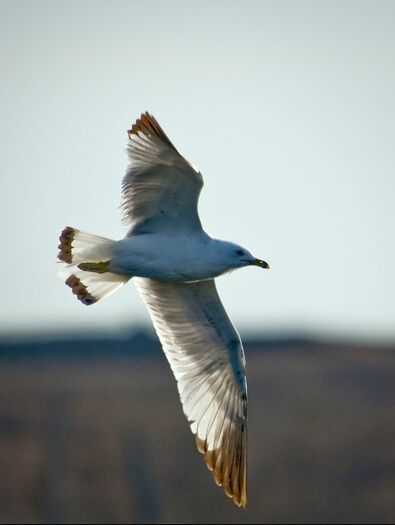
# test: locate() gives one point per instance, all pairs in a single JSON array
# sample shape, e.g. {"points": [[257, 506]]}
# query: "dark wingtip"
{"points": [[65, 242], [80, 290], [148, 126]]}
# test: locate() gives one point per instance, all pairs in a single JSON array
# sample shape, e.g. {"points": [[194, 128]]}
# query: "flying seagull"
{"points": [[174, 262]]}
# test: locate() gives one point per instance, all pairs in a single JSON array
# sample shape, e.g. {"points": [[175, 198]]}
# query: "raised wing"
{"points": [[160, 190], [207, 358]]}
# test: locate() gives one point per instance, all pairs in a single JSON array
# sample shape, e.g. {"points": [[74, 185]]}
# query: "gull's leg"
{"points": [[99, 267]]}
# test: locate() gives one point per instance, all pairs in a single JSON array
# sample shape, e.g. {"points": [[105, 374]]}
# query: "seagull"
{"points": [[174, 263]]}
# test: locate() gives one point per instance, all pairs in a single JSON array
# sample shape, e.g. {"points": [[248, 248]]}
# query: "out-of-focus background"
{"points": [[92, 431], [288, 110]]}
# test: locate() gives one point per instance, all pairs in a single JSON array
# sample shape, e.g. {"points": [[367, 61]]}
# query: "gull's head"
{"points": [[238, 257]]}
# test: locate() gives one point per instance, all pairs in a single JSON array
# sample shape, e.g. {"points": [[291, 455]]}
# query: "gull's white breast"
{"points": [[169, 257]]}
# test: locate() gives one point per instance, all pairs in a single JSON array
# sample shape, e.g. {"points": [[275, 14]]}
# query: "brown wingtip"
{"points": [[65, 242], [80, 290], [233, 482], [148, 126]]}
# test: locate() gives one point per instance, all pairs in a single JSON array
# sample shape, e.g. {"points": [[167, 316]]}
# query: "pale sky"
{"points": [[287, 108]]}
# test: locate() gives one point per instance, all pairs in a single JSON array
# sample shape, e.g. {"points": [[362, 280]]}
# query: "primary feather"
{"points": [[160, 190], [207, 358]]}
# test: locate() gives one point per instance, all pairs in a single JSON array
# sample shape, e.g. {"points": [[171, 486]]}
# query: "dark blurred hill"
{"points": [[92, 431], [143, 342]]}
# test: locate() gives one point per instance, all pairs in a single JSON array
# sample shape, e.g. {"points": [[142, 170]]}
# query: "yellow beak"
{"points": [[262, 264]]}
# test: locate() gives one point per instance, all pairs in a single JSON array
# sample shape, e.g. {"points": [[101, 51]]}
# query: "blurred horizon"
{"points": [[124, 332]]}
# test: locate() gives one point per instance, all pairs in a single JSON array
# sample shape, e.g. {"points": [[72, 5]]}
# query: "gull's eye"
{"points": [[239, 252]]}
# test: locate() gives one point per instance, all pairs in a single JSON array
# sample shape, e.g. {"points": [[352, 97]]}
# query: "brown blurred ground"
{"points": [[104, 440]]}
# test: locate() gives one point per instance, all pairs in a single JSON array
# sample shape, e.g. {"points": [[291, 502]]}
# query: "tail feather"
{"points": [[81, 252], [76, 247]]}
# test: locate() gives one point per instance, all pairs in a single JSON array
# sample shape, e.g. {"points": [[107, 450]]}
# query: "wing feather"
{"points": [[207, 358], [160, 190]]}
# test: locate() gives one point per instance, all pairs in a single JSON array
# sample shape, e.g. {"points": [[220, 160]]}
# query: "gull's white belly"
{"points": [[184, 258]]}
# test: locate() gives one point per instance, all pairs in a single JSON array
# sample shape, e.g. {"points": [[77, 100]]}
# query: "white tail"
{"points": [[87, 257]]}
